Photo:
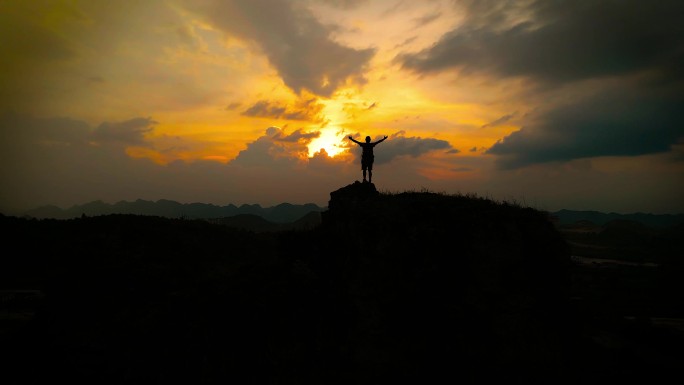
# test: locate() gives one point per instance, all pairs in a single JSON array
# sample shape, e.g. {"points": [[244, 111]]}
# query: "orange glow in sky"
{"points": [[330, 139], [225, 100]]}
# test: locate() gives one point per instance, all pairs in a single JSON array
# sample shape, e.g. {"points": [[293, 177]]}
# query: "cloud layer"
{"points": [[622, 121], [304, 110], [276, 148], [560, 41], [398, 145], [294, 41], [617, 65]]}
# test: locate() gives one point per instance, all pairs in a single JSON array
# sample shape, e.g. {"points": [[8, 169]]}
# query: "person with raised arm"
{"points": [[367, 156]]}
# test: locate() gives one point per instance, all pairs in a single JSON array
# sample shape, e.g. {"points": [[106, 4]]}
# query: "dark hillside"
{"points": [[258, 224], [415, 286], [460, 288]]}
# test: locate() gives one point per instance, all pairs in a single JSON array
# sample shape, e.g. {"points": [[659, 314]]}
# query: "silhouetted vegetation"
{"points": [[415, 286]]}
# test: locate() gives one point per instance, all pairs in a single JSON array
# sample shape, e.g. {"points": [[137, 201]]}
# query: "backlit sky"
{"points": [[552, 104]]}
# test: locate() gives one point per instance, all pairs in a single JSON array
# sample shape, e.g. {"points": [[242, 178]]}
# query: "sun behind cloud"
{"points": [[331, 139]]}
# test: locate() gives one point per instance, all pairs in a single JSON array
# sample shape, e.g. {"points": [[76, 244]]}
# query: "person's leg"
{"points": [[370, 175], [364, 174]]}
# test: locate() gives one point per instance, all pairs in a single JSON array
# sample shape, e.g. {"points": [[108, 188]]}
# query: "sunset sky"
{"points": [[552, 104]]}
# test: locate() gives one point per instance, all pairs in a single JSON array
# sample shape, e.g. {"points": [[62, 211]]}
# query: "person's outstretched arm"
{"points": [[354, 140], [381, 140]]}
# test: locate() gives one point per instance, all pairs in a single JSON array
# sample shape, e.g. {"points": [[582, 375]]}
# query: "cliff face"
{"points": [[450, 281]]}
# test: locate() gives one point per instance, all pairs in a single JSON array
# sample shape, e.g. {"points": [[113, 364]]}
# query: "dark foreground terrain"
{"points": [[413, 287]]}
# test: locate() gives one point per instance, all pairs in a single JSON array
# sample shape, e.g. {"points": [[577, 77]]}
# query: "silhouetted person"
{"points": [[367, 156]]}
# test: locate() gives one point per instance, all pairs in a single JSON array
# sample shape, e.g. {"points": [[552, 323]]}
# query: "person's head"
{"points": [[368, 139]]}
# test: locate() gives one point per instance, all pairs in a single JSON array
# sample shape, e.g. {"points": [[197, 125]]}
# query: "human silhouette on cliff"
{"points": [[367, 156]]}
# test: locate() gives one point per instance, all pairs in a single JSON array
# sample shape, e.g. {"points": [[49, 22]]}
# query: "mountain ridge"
{"points": [[281, 213], [288, 212]]}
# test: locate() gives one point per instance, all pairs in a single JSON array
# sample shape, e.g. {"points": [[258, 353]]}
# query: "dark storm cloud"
{"points": [[296, 44], [398, 145], [129, 132], [616, 122], [565, 41], [307, 110], [611, 71]]}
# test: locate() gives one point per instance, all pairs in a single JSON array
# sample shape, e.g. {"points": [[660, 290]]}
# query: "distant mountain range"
{"points": [[289, 213], [282, 213]]}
